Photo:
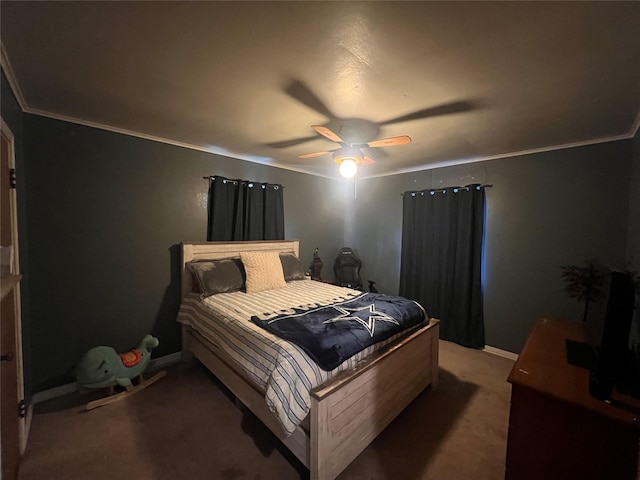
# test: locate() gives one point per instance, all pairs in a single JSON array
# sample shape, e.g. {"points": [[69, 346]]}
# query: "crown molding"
{"points": [[271, 163], [450, 163], [201, 148], [11, 78]]}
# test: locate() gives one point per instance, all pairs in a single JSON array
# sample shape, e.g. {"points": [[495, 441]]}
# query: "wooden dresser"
{"points": [[556, 429]]}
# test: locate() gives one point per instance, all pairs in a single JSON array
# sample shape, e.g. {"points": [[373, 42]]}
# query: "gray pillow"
{"points": [[218, 276], [291, 267]]}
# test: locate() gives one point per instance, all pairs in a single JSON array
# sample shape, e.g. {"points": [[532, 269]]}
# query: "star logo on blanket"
{"points": [[365, 316]]}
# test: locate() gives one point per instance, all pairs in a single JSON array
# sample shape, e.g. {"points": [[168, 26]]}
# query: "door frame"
{"points": [[15, 269]]}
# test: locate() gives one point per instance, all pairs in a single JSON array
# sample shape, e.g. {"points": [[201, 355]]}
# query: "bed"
{"points": [[347, 406]]}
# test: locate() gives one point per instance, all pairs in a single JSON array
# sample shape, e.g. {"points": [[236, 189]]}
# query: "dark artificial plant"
{"points": [[584, 283]]}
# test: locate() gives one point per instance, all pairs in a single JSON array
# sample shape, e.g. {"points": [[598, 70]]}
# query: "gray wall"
{"points": [[543, 211], [106, 213]]}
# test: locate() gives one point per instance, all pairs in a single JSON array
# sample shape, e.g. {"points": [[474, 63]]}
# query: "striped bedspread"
{"points": [[281, 369]]}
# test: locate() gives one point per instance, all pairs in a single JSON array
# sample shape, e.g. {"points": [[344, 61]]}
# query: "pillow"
{"points": [[263, 270], [291, 267], [217, 276]]}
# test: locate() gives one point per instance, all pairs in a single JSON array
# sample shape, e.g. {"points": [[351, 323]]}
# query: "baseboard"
{"points": [[165, 361], [54, 392], [500, 353], [154, 364], [27, 428]]}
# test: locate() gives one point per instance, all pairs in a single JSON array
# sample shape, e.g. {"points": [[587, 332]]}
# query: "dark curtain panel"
{"points": [[441, 262], [245, 210], [273, 212]]}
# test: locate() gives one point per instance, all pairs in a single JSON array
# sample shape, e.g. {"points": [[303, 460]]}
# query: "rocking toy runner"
{"points": [[103, 367]]}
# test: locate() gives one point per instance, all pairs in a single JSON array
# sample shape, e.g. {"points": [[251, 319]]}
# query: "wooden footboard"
{"points": [[348, 412]]}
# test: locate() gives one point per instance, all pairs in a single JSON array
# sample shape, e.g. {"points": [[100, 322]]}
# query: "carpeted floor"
{"points": [[186, 426]]}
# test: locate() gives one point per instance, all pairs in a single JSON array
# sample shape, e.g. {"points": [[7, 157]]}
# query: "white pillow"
{"points": [[264, 271]]}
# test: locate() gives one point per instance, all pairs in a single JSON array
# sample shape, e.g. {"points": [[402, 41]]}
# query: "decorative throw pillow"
{"points": [[217, 276], [263, 270], [291, 267]]}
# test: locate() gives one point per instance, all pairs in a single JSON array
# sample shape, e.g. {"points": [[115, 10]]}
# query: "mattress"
{"points": [[279, 368]]}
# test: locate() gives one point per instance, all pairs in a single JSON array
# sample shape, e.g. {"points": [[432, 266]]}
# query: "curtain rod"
{"points": [[211, 177], [437, 190]]}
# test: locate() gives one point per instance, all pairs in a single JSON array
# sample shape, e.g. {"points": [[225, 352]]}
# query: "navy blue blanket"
{"points": [[331, 334]]}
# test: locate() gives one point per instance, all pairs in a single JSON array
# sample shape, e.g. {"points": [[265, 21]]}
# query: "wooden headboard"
{"points": [[216, 250]]}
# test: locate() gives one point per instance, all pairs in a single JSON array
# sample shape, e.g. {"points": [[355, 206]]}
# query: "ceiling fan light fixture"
{"points": [[348, 158], [348, 168], [349, 155]]}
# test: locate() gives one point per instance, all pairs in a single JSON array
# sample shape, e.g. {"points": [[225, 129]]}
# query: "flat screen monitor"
{"points": [[611, 360]]}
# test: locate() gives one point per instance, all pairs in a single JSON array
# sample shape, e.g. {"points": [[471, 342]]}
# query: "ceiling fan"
{"points": [[350, 155]]}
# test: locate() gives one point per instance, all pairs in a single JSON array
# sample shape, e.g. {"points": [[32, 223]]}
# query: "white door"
{"points": [[12, 423]]}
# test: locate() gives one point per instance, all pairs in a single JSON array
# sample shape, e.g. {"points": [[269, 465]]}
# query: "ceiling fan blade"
{"points": [[305, 96], [326, 132], [390, 142], [366, 160], [291, 143], [315, 154], [444, 109]]}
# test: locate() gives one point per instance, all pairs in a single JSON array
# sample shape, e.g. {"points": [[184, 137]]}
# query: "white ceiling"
{"points": [[466, 81]]}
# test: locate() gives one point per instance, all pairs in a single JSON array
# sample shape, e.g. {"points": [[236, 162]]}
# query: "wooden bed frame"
{"points": [[349, 410]]}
